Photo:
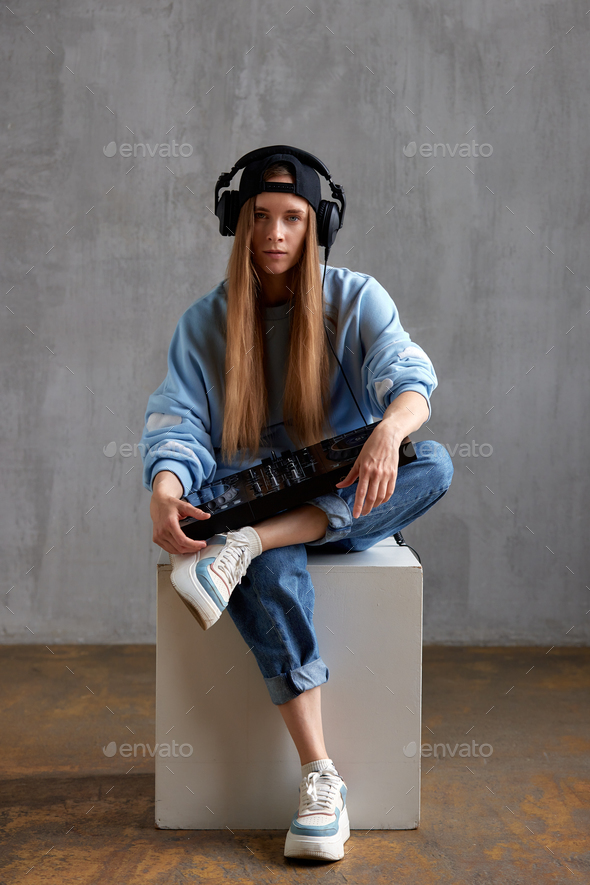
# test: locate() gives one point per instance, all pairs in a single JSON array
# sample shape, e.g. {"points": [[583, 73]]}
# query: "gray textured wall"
{"points": [[486, 258]]}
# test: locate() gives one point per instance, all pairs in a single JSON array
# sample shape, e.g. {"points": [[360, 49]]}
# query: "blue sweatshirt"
{"points": [[184, 416]]}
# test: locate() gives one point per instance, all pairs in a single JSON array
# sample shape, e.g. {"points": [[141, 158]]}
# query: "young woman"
{"points": [[250, 371]]}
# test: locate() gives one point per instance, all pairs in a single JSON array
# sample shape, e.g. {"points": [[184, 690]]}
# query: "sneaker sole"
{"points": [[319, 847], [199, 603]]}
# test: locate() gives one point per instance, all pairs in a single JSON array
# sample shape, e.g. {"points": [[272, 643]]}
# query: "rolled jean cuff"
{"points": [[339, 518], [290, 685]]}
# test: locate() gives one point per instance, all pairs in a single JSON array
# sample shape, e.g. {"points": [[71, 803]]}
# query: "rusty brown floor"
{"points": [[522, 815]]}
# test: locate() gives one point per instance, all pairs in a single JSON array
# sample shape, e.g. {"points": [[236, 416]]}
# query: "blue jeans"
{"points": [[272, 606]]}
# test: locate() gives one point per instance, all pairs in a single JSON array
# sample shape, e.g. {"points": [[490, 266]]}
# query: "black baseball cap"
{"points": [[307, 181]]}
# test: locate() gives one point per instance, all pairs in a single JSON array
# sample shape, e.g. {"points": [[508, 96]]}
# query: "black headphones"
{"points": [[329, 216]]}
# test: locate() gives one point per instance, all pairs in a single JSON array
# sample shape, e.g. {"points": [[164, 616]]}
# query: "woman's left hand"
{"points": [[376, 470]]}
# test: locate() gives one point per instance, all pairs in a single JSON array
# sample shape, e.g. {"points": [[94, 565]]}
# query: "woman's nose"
{"points": [[276, 229]]}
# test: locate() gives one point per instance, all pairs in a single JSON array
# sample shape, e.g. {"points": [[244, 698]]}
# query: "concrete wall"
{"points": [[486, 258]]}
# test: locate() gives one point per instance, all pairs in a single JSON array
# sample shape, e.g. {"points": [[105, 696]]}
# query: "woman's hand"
{"points": [[166, 510], [376, 470]]}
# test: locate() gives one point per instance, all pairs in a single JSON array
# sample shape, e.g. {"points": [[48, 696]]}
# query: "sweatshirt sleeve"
{"points": [[176, 435], [392, 363]]}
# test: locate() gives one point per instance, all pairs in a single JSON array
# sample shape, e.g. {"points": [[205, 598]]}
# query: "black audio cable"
{"points": [[401, 543]]}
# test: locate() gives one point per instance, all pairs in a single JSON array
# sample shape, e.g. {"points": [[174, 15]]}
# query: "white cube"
{"points": [[224, 757]]}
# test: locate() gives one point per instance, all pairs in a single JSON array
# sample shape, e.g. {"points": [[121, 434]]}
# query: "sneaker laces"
{"points": [[320, 792], [233, 560]]}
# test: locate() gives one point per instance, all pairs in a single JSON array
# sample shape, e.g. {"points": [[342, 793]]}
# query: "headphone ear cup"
{"points": [[328, 223], [234, 213], [228, 211], [221, 212]]}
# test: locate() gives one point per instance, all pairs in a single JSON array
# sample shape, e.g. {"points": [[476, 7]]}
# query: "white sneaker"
{"points": [[205, 580], [320, 828]]}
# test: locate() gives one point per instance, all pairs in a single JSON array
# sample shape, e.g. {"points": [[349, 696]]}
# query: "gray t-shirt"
{"points": [[277, 321]]}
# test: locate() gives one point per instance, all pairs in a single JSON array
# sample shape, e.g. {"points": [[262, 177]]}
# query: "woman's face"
{"points": [[280, 225]]}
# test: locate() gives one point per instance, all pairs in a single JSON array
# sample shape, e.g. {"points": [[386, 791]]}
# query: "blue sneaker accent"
{"points": [[329, 829], [207, 584], [217, 539]]}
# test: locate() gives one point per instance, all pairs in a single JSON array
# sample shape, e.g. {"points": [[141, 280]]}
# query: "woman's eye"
{"points": [[261, 214]]}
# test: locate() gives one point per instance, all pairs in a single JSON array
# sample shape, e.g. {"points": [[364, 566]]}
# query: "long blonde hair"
{"points": [[307, 383]]}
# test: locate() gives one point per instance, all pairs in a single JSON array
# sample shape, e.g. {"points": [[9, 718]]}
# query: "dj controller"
{"points": [[278, 483]]}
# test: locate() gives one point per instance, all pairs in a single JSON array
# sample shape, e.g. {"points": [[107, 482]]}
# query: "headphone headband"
{"points": [[260, 153]]}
